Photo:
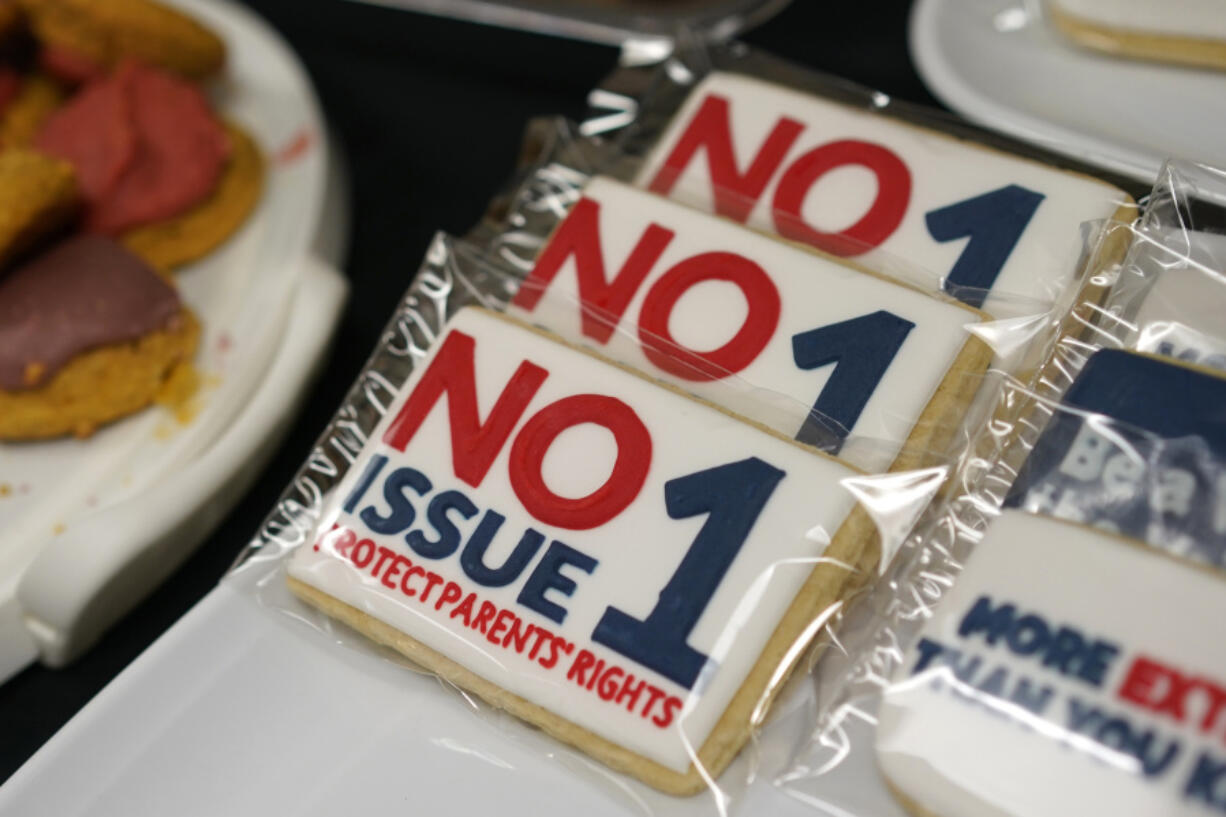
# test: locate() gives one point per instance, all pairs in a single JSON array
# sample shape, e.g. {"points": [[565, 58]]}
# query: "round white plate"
{"points": [[82, 513], [1000, 64]]}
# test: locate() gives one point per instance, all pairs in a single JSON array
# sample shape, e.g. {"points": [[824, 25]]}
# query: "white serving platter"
{"points": [[1000, 64], [88, 527], [237, 710]]}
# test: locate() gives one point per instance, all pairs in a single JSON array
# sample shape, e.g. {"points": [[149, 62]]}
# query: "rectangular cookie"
{"points": [[1068, 672], [628, 569], [866, 186], [862, 367], [1138, 446]]}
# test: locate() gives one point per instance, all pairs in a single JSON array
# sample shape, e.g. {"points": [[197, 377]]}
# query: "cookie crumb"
{"points": [[178, 393], [33, 373]]}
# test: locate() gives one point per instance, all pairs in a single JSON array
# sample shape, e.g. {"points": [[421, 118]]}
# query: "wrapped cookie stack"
{"points": [[114, 171], [748, 373], [1053, 608]]}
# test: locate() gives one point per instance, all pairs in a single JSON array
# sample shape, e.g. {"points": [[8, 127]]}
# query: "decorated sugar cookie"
{"points": [[836, 357], [1140, 448], [866, 186], [1191, 32], [620, 565], [1068, 672]]}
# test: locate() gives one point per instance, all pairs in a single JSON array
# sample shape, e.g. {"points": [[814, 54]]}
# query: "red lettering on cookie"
{"points": [[393, 570], [517, 637], [384, 555], [502, 625], [710, 130], [557, 647], [874, 227], [602, 302], [432, 579], [618, 491], [413, 570], [654, 694], [451, 593], [541, 635], [339, 540], [1165, 690], [761, 296], [465, 609], [474, 444], [672, 705], [484, 615], [610, 682], [628, 694], [363, 553], [579, 669]]}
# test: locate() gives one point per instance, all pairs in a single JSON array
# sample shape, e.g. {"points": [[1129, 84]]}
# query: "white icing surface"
{"points": [[943, 171], [969, 753], [638, 550], [1183, 314], [1201, 19], [813, 292]]}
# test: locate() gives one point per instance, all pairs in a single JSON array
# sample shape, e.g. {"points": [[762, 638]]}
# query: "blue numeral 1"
{"points": [[733, 496], [994, 222], [861, 350]]}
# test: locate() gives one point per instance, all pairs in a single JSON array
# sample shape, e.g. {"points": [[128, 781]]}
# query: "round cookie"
{"points": [[100, 386], [93, 35], [37, 195], [37, 98], [1183, 32], [88, 333], [177, 241]]}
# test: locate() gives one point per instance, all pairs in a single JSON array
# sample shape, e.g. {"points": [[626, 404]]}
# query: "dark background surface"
{"points": [[428, 113]]}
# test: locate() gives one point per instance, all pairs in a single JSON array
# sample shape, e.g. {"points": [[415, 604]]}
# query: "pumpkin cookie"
{"points": [[88, 37], [88, 334], [37, 97], [184, 238], [145, 143], [37, 195]]}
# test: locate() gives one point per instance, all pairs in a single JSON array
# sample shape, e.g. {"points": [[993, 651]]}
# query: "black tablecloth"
{"points": [[428, 113]]}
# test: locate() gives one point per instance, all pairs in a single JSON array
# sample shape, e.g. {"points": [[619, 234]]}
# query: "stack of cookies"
{"points": [[619, 511], [114, 172]]}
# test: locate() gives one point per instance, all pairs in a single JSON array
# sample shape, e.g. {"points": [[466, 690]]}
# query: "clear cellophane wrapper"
{"points": [[886, 481], [1054, 449]]}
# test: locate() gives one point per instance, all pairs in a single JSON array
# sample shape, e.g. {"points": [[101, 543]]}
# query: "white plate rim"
{"points": [[948, 85]]}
